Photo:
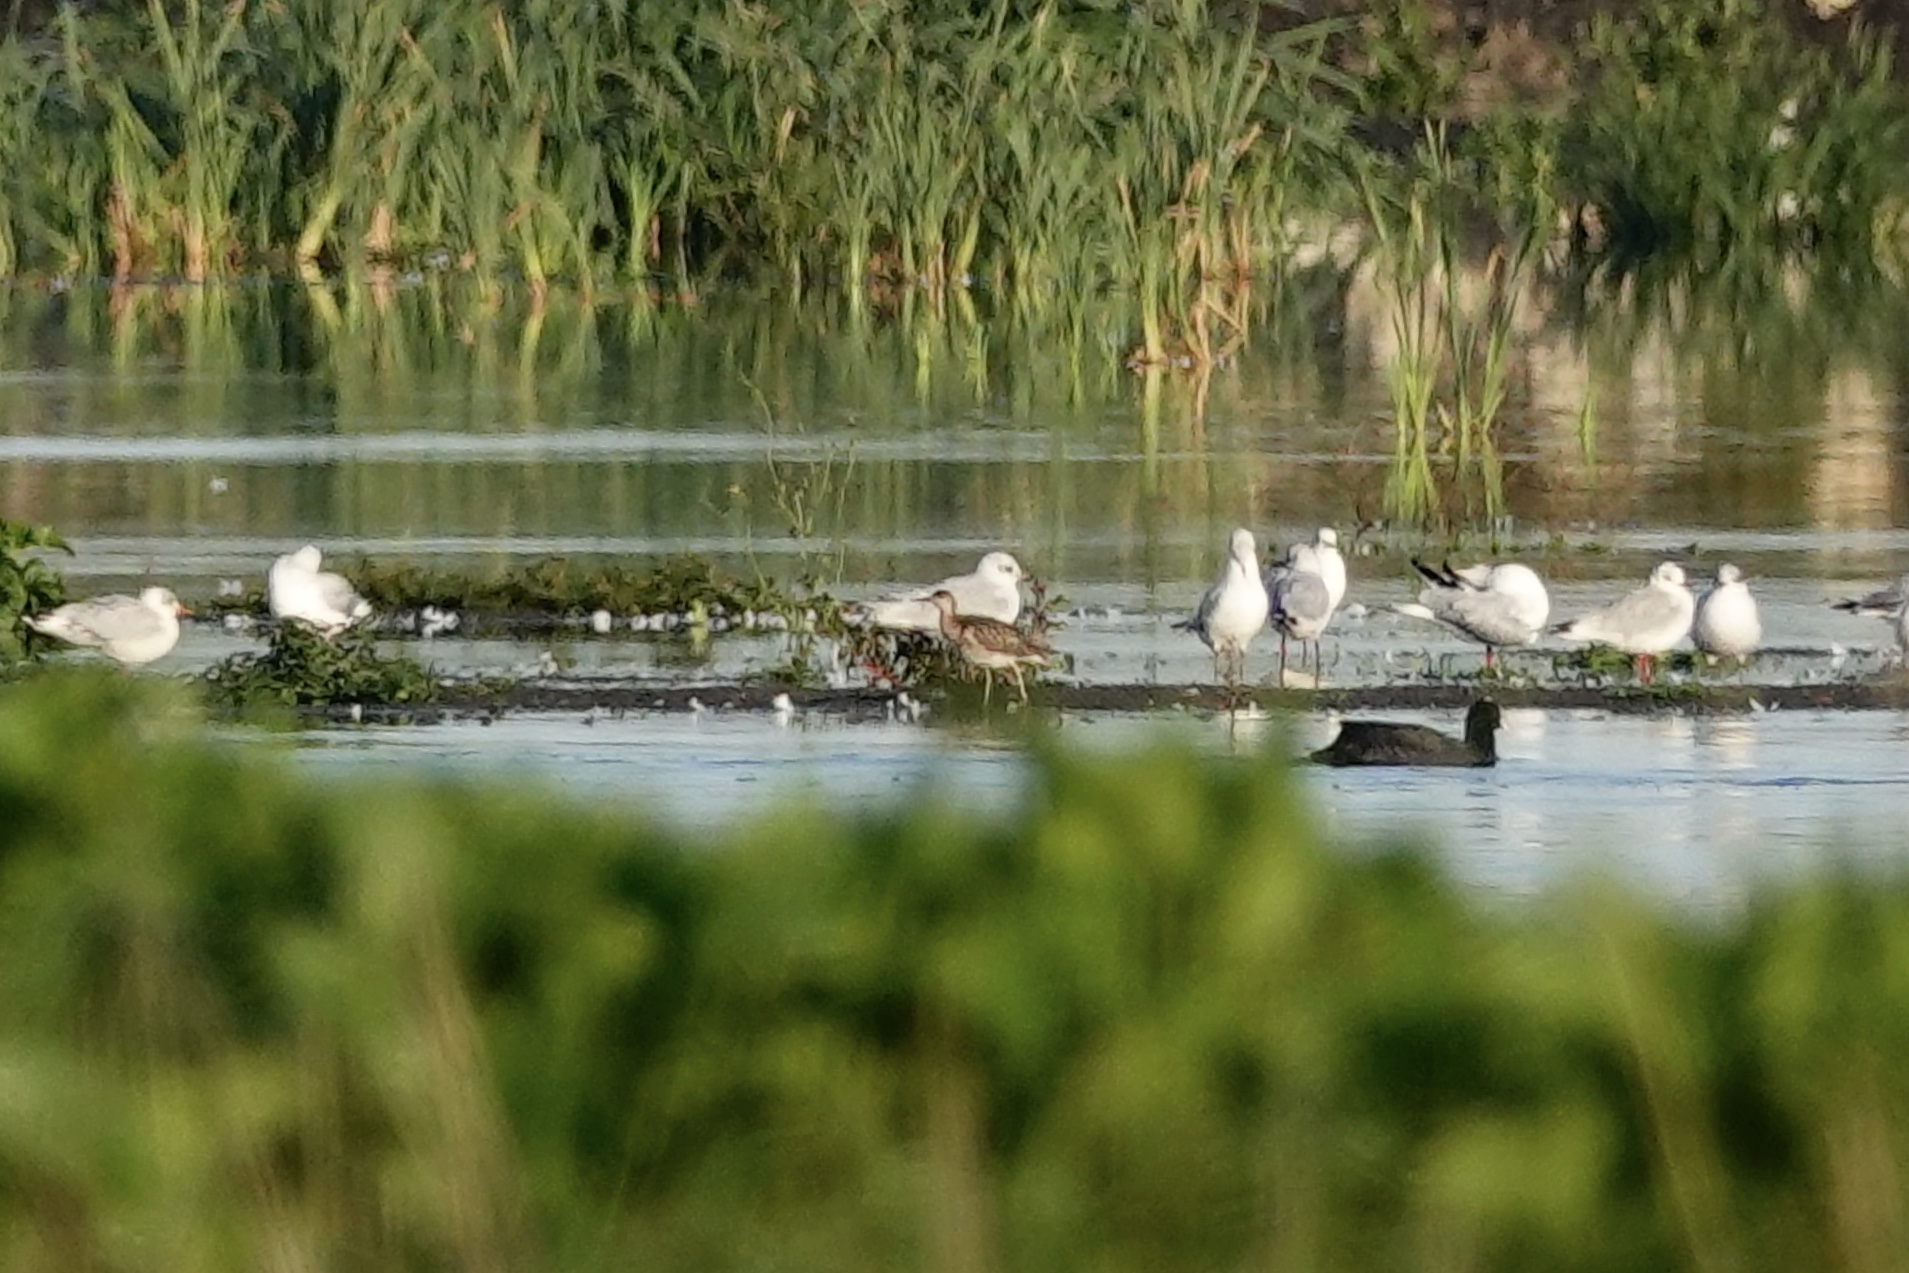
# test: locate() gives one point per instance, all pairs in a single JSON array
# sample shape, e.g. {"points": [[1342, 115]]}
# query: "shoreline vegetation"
{"points": [[1151, 1017], [1185, 154]]}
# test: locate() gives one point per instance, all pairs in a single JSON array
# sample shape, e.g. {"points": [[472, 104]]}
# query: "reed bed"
{"points": [[1053, 152]]}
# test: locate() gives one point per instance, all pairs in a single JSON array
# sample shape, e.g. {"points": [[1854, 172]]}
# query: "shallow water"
{"points": [[1696, 811], [189, 436]]}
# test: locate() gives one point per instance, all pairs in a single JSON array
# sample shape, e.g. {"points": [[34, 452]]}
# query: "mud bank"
{"points": [[622, 697]]}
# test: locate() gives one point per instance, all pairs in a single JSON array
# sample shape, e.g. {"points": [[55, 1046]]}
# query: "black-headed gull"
{"points": [[1881, 604], [1233, 610], [1727, 622], [295, 588], [992, 590], [1496, 606], [127, 630], [1300, 602], [1645, 623]]}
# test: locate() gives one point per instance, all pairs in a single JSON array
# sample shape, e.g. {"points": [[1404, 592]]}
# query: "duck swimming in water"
{"points": [[1373, 742]]}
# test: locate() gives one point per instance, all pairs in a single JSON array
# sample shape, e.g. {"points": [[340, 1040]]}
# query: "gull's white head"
{"points": [[1728, 573], [1000, 566], [1668, 574], [306, 558], [1327, 538], [1244, 550], [161, 600]]}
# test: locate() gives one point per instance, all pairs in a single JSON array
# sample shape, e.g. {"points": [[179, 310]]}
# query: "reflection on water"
{"points": [[412, 422]]}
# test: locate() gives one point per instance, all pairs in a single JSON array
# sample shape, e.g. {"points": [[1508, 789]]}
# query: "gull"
{"points": [[1495, 606], [1373, 742], [1321, 557], [1300, 602], [1645, 623], [1727, 621], [988, 644], [1881, 604], [127, 630], [295, 588], [992, 590], [1233, 610]]}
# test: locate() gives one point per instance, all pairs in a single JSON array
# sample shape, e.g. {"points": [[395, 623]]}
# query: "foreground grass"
{"points": [[1148, 1023]]}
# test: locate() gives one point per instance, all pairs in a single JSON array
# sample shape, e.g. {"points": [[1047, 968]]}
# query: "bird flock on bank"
{"points": [[1499, 606], [135, 630]]}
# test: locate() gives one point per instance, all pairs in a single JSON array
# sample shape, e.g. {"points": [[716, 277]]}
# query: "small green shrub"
{"points": [[300, 668], [28, 585]]}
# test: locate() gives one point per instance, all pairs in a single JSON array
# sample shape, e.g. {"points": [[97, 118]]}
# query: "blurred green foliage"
{"points": [[28, 585], [1147, 1023]]}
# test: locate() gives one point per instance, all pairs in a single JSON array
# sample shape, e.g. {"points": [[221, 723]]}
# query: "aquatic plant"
{"points": [[28, 585], [300, 668], [562, 586]]}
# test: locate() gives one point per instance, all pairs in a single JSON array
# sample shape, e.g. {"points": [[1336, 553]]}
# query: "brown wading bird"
{"points": [[990, 645]]}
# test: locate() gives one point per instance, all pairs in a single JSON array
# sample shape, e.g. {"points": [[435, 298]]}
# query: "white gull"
{"points": [[295, 588], [1727, 621], [127, 630], [1645, 623], [992, 590], [1496, 606], [1233, 610]]}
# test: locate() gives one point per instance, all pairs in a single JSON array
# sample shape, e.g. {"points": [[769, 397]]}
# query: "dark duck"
{"points": [[1375, 742]]}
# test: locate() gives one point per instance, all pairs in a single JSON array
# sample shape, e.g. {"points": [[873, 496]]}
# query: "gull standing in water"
{"points": [[127, 630], [1727, 622], [1300, 603], [1233, 610], [295, 588], [989, 645], [992, 590], [1495, 606], [1644, 624], [1322, 557]]}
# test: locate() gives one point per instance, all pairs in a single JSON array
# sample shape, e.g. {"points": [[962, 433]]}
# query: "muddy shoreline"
{"points": [[863, 704]]}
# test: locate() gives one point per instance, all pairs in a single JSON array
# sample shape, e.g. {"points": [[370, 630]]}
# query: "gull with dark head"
{"points": [[1496, 606], [295, 588], [989, 645], [1727, 622], [992, 590], [1233, 610], [128, 630], [1645, 623]]}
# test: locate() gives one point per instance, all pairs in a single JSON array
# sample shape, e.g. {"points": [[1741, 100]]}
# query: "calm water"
{"points": [[189, 437]]}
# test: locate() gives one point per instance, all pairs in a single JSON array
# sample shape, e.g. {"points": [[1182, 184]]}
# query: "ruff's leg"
{"points": [[1020, 683]]}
